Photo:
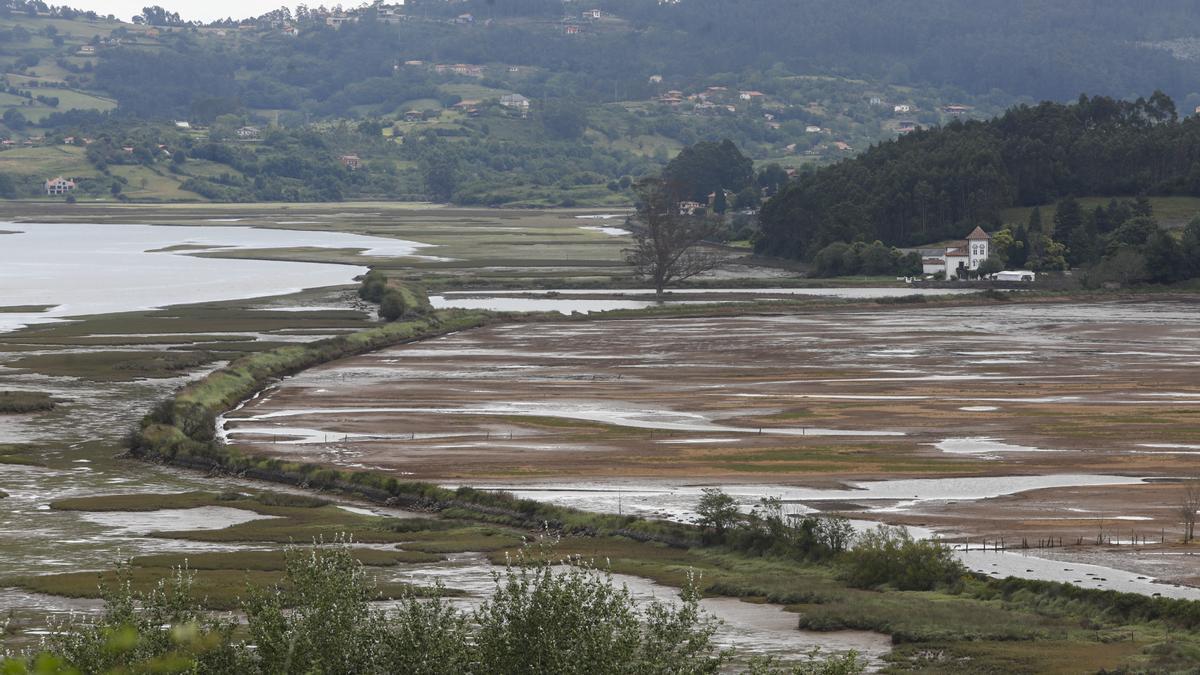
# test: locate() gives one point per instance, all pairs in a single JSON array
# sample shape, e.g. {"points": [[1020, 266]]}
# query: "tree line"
{"points": [[932, 184]]}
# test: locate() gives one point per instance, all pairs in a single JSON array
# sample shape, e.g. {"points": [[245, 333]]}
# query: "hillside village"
{"points": [[53, 78]]}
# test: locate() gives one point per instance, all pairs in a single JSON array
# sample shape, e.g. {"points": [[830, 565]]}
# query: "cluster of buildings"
{"points": [[383, 14], [712, 98]]}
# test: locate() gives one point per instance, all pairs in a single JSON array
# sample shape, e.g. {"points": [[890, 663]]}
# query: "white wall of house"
{"points": [[952, 263], [978, 250]]}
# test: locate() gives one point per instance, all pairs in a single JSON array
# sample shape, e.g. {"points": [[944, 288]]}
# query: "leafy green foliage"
{"points": [[717, 511], [708, 167], [841, 259], [770, 530], [541, 620], [891, 556], [393, 306]]}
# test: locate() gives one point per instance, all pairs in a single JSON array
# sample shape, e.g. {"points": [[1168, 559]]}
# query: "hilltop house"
{"points": [[960, 256], [59, 186]]}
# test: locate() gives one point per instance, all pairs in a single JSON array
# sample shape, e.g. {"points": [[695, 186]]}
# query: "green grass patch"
{"points": [[215, 589], [25, 402], [19, 454], [464, 540], [115, 366]]}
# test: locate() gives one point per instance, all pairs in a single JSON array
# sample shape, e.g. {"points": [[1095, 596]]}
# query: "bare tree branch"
{"points": [[1189, 505], [667, 244]]}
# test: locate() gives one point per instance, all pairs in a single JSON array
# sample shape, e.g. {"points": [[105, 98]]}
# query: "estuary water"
{"points": [[79, 269]]}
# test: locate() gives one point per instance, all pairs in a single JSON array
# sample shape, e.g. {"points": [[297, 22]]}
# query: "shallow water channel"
{"points": [[586, 301]]}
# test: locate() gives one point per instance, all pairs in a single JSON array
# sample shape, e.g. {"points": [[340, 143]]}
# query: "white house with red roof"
{"points": [[960, 256]]}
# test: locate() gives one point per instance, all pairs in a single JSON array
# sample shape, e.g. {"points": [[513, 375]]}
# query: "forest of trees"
{"points": [[932, 184]]}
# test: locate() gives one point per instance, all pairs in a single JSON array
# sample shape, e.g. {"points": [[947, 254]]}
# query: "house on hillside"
{"points": [[351, 162], [750, 95], [961, 256], [464, 19], [388, 14], [515, 102], [59, 186], [956, 110], [902, 109], [469, 107], [248, 133], [87, 50], [689, 208], [593, 15], [414, 116], [572, 29], [337, 21], [465, 69]]}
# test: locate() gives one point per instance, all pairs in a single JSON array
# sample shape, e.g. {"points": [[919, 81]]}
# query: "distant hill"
{"points": [[611, 90], [931, 184]]}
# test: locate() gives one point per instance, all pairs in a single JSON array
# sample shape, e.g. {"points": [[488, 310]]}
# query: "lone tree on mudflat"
{"points": [[1189, 505], [667, 243]]}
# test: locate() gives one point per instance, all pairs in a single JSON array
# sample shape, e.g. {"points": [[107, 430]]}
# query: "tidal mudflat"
{"points": [[815, 399]]}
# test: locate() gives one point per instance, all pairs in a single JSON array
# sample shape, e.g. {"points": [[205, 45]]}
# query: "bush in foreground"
{"points": [[540, 619]]}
